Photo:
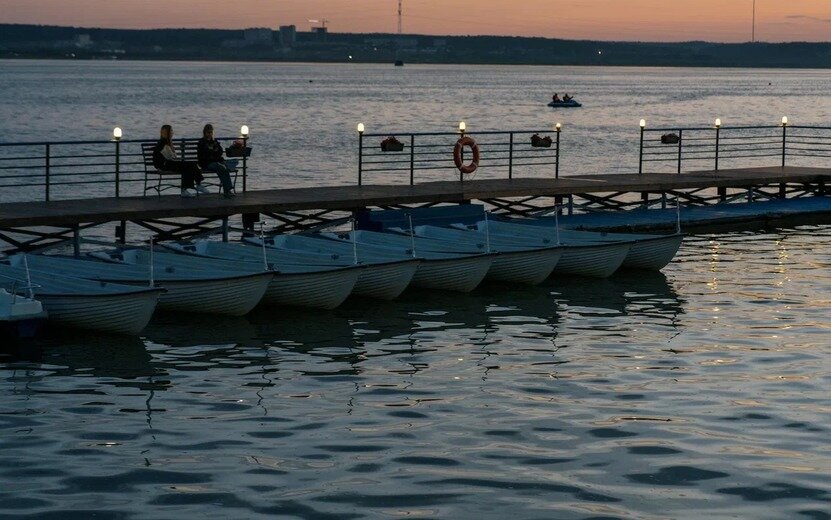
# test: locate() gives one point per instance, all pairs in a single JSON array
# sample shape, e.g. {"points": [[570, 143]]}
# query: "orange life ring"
{"points": [[457, 155]]}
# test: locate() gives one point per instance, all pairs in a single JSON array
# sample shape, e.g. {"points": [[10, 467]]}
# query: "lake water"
{"points": [[698, 392]]}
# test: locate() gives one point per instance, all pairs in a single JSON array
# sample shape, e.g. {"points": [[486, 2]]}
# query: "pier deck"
{"points": [[74, 212]]}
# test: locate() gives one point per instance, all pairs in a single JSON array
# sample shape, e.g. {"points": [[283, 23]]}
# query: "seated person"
{"points": [[555, 98], [165, 158], [567, 98], [209, 156]]}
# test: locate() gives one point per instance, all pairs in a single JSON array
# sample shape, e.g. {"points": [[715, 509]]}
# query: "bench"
{"points": [[161, 180]]}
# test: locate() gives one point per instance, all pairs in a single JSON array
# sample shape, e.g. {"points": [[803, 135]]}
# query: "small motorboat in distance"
{"points": [[85, 304], [564, 104], [20, 317]]}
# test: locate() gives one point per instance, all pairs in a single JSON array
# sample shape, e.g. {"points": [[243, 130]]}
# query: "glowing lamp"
{"points": [[117, 134], [558, 127], [784, 120], [462, 127], [643, 123], [718, 122], [360, 128], [244, 131]]}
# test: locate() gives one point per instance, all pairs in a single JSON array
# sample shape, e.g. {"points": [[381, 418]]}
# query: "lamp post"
{"points": [[557, 128], [243, 133], [784, 138], [462, 130], [117, 133], [718, 135], [640, 159], [361, 129]]}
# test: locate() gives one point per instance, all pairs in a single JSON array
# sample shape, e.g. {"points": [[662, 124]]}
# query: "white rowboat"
{"points": [[85, 304], [186, 289]]}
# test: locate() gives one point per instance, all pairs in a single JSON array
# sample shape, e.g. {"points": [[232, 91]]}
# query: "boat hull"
{"points": [[461, 274], [653, 254], [385, 281], [596, 261], [526, 267], [125, 313], [228, 296], [318, 290]]}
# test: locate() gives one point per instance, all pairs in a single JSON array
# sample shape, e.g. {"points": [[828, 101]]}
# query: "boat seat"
{"points": [[161, 180]]}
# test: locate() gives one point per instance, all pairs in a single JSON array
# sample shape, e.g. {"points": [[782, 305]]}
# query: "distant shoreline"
{"points": [[287, 45]]}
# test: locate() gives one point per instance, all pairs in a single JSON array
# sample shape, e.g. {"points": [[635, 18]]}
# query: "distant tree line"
{"points": [[33, 41]]}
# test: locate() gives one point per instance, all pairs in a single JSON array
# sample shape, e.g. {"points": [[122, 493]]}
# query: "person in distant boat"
{"points": [[209, 156], [556, 98], [567, 98], [165, 158]]}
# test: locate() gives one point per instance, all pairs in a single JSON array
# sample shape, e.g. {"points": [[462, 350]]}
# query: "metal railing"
{"points": [[48, 170], [504, 152], [679, 150]]}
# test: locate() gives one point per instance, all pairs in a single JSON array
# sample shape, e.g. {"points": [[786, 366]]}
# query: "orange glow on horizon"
{"points": [[640, 20]]}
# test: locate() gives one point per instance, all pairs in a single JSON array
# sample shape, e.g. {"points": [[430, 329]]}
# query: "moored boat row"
{"points": [[118, 290]]}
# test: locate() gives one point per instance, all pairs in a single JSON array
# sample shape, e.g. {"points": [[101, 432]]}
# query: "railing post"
{"points": [[680, 144], [718, 137], [510, 155], [784, 142], [412, 159], [47, 171], [118, 168], [557, 156], [360, 157], [640, 159], [244, 163], [462, 155]]}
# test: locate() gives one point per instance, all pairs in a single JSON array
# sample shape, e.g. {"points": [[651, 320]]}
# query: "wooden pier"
{"points": [[348, 198], [529, 183]]}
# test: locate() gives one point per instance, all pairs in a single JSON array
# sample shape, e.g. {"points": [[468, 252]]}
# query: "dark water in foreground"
{"points": [[702, 391]]}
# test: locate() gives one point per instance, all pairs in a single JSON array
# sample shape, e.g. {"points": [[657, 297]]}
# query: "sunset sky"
{"points": [[664, 20]]}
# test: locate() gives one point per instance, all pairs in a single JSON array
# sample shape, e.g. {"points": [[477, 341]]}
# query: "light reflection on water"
{"points": [[702, 390]]}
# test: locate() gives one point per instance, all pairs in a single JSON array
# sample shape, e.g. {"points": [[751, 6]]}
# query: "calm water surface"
{"points": [[701, 391], [303, 116]]}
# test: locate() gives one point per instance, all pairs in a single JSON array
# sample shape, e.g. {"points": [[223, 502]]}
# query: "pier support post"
{"points": [[722, 194], [783, 190], [249, 220], [76, 241], [121, 232], [663, 200], [645, 199], [225, 229]]}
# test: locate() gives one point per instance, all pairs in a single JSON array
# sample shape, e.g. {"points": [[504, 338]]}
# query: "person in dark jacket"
{"points": [[165, 158], [209, 156]]}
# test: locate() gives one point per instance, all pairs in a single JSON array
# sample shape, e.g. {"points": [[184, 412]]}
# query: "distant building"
{"points": [[288, 35], [258, 37], [83, 41], [320, 33]]}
